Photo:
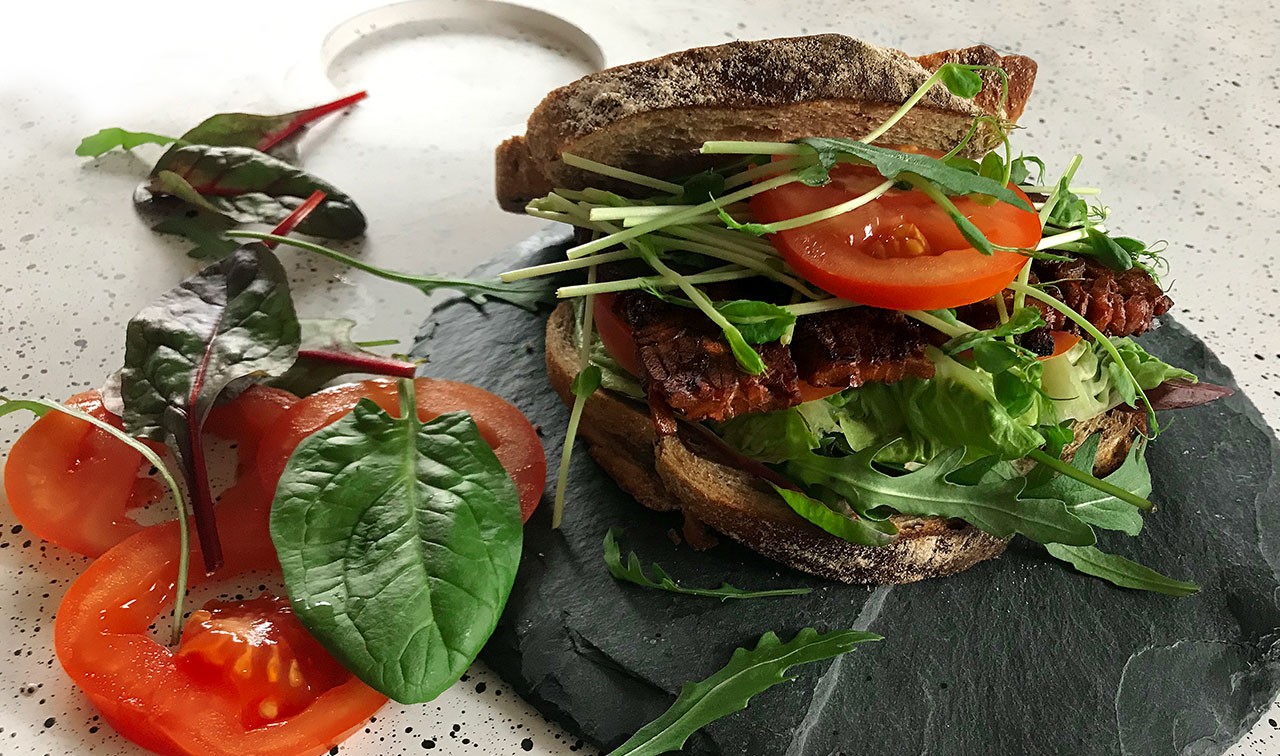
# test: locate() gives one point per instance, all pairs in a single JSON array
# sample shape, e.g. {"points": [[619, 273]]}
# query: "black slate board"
{"points": [[1016, 656]]}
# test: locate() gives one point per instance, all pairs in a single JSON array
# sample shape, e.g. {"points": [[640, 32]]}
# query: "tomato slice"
{"points": [[504, 427], [1062, 343], [181, 703], [73, 484], [615, 335], [900, 251]]}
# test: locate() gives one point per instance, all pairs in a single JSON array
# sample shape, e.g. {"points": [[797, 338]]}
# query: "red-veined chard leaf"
{"points": [[399, 541], [275, 134], [249, 186], [229, 324], [748, 673], [328, 352]]}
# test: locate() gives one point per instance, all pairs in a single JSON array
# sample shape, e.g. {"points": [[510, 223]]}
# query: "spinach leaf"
{"points": [[109, 139], [229, 324], [995, 506], [274, 134], [1118, 570], [633, 572], [748, 672], [399, 542], [327, 352], [1096, 507], [841, 524], [892, 163], [249, 186]]}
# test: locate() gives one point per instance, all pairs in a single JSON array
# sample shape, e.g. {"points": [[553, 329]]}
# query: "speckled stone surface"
{"points": [[1173, 105]]}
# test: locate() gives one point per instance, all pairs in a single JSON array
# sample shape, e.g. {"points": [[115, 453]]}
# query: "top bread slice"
{"points": [[652, 116], [675, 473]]}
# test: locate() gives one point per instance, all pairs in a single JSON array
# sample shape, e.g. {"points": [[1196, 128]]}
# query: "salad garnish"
{"points": [[633, 572]]}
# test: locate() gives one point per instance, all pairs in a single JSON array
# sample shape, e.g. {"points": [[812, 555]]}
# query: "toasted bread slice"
{"points": [[652, 116], [669, 474]]}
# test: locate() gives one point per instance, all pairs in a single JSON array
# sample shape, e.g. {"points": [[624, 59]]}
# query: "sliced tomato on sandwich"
{"points": [[900, 251]]}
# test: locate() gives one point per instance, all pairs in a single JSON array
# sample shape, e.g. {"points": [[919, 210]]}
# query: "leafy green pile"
{"points": [[231, 169]]}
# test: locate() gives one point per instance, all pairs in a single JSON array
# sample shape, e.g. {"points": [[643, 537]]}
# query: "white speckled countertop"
{"points": [[1175, 108]]}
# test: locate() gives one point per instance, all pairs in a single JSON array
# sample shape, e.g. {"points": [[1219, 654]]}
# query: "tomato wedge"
{"points": [[213, 695], [73, 484], [900, 251], [503, 426]]}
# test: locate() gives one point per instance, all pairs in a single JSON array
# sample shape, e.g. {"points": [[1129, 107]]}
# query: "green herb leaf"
{"points": [[1021, 321], [748, 673], [252, 187], [1107, 251], [1096, 507], [1019, 173], [960, 80], [230, 324], [996, 507], [992, 167], [844, 524], [1119, 571], [109, 139], [399, 542], [633, 572], [526, 294], [892, 163], [586, 381], [755, 229], [758, 322], [1016, 391], [702, 187], [995, 356], [324, 341]]}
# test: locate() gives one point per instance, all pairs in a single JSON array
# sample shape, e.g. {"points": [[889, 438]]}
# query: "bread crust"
{"points": [[667, 474], [651, 116]]}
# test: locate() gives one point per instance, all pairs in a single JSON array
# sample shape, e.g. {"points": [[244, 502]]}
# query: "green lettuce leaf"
{"points": [[1086, 381]]}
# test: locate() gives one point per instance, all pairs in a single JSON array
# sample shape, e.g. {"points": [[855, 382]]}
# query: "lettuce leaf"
{"points": [[1085, 382]]}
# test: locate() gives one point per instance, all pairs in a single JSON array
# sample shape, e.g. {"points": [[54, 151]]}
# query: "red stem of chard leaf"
{"points": [[202, 495], [297, 216], [361, 363], [305, 117]]}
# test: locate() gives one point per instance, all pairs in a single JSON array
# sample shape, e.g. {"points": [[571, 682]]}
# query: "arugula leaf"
{"points": [[892, 163], [1022, 320], [633, 572], [326, 352], [399, 542], [1096, 507], [748, 672], [231, 323], [995, 506], [841, 524], [249, 186], [109, 139], [273, 134], [1119, 571], [527, 294]]}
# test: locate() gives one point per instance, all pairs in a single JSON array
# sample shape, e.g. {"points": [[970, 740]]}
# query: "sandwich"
{"points": [[823, 308]]}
